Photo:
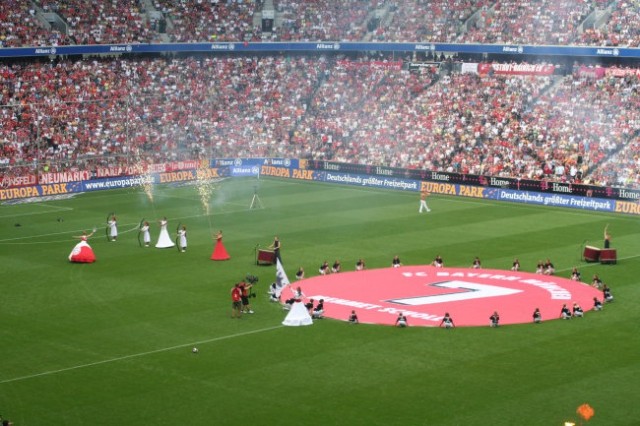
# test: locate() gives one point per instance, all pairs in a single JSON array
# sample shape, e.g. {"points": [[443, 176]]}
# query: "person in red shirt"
{"points": [[236, 301]]}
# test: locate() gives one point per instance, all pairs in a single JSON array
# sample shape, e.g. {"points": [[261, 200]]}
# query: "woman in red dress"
{"points": [[82, 252], [219, 252]]}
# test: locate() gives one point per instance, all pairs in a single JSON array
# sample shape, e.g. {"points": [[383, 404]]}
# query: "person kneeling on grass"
{"points": [[324, 268], [565, 313], [318, 311], [401, 321], [273, 293], [597, 305], [606, 293], [577, 311], [309, 306]]}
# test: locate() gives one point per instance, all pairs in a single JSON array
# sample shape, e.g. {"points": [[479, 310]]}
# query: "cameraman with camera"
{"points": [[247, 293]]}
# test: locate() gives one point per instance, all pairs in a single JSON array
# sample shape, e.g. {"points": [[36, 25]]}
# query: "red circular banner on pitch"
{"points": [[425, 293]]}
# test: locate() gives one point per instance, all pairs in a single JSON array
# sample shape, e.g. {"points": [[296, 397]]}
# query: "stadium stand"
{"points": [[619, 29], [530, 22], [312, 20], [598, 22], [19, 26], [78, 113], [570, 126], [195, 20], [118, 21], [432, 21]]}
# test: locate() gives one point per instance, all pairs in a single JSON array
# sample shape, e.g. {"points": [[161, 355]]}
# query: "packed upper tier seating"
{"points": [[621, 29], [214, 20], [529, 22], [101, 22], [461, 21], [311, 20], [78, 113], [427, 21], [20, 27]]}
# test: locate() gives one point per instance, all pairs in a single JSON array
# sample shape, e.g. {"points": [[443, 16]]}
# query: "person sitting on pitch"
{"points": [[309, 306], [353, 317], [606, 293], [335, 268], [577, 310], [273, 293], [318, 311], [447, 321], [540, 267], [565, 313], [396, 262], [537, 316], [596, 282], [324, 268], [476, 263], [401, 321], [575, 274], [360, 265], [516, 265], [597, 305], [438, 262], [300, 273], [549, 269]]}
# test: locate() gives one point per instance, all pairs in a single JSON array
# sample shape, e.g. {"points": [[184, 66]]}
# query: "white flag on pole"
{"points": [[281, 278]]}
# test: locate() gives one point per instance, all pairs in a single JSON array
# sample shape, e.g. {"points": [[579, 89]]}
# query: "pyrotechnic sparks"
{"points": [[205, 185], [146, 179]]}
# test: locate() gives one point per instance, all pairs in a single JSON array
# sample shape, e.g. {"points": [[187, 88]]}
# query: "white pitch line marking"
{"points": [[121, 358]]}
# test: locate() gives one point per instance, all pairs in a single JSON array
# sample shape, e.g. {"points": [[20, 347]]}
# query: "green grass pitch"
{"points": [[110, 343]]}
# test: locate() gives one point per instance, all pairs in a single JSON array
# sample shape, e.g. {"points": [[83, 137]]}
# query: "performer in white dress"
{"points": [[182, 236], [146, 235], [164, 240], [298, 314], [113, 228]]}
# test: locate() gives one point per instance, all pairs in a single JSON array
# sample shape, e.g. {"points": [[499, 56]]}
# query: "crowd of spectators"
{"points": [[427, 21], [209, 21], [312, 20], [462, 21], [19, 27], [81, 113], [623, 167], [620, 29], [78, 113], [529, 22], [115, 21]]}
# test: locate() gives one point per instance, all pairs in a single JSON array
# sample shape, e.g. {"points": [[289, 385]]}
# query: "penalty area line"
{"points": [[138, 355]]}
